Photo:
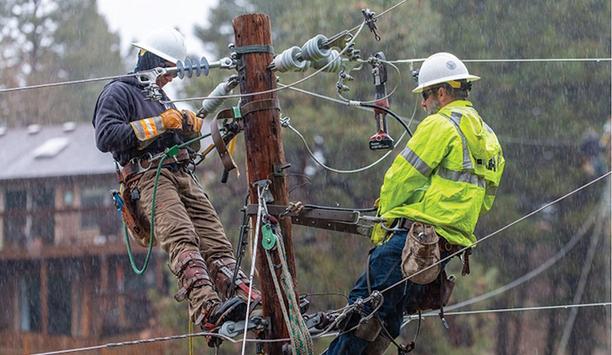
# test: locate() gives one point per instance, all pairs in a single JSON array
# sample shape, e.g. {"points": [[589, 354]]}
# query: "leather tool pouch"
{"points": [[135, 219], [437, 293], [420, 252]]}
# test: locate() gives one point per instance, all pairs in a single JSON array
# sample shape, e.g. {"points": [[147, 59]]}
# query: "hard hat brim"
{"points": [[469, 78], [155, 51]]}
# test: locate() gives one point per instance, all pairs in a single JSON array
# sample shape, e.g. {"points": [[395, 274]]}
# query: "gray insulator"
{"points": [[335, 67], [290, 60], [191, 67], [313, 49], [210, 105]]}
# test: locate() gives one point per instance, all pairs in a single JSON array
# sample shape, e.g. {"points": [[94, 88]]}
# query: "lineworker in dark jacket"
{"points": [[136, 129]]}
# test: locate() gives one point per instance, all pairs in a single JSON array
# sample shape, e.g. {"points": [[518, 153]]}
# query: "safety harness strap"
{"points": [[259, 105], [226, 157]]}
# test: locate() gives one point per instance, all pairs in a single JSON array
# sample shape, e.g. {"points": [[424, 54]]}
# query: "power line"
{"points": [[512, 60], [517, 309], [586, 269], [63, 83]]}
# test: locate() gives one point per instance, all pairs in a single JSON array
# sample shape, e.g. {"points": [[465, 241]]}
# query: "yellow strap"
{"points": [[231, 148]]}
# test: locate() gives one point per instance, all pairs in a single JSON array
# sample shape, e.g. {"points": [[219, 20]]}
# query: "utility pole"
{"points": [[264, 149]]}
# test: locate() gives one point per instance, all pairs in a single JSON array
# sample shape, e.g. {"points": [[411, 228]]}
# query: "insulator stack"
{"points": [[290, 60], [192, 67], [313, 53], [313, 49], [334, 58]]}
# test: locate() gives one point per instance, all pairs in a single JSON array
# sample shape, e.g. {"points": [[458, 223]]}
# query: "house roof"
{"points": [[51, 151]]}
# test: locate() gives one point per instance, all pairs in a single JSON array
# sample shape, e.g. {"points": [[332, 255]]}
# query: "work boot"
{"points": [[233, 310]]}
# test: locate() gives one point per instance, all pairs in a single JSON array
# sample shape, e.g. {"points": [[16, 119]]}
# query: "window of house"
{"points": [[43, 214], [95, 204], [59, 301], [29, 303], [15, 217]]}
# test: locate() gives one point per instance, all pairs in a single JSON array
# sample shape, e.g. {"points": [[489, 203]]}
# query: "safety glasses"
{"points": [[427, 93]]}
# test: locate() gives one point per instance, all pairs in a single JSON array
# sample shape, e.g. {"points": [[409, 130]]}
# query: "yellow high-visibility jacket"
{"points": [[446, 176]]}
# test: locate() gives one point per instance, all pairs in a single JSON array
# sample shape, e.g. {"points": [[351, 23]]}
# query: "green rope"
{"points": [[168, 153]]}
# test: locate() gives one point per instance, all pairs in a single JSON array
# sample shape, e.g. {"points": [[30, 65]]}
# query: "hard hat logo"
{"points": [[442, 68]]}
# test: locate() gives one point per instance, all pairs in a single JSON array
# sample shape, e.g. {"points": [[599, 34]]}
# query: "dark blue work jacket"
{"points": [[121, 102]]}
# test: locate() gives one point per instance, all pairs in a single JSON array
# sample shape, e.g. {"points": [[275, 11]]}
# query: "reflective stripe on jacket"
{"points": [[446, 176]]}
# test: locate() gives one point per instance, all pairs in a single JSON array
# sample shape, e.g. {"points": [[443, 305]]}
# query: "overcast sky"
{"points": [[133, 19]]}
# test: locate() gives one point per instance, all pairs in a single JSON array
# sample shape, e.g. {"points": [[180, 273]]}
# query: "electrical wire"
{"points": [[318, 71], [517, 309], [512, 60], [72, 82], [63, 83], [199, 334], [350, 171], [586, 269], [252, 272], [397, 61]]}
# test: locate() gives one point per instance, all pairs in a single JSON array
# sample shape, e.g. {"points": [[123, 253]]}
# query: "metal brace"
{"points": [[279, 168]]}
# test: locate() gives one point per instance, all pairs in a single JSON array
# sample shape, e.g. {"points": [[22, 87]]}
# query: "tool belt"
{"points": [[139, 165]]}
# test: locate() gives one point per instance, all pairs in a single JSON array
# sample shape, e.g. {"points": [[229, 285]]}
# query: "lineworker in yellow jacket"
{"points": [[432, 195]]}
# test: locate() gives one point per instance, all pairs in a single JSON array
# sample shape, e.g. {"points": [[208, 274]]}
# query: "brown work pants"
{"points": [[185, 220]]}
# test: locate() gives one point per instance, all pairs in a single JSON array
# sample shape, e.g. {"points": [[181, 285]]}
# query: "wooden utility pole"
{"points": [[265, 154]]}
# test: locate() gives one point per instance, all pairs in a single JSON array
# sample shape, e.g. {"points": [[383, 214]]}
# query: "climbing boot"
{"points": [[233, 309]]}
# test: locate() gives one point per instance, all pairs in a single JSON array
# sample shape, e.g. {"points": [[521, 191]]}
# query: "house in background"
{"points": [[65, 278]]}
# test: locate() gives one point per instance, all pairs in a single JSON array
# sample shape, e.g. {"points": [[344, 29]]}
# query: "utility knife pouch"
{"points": [[420, 252]]}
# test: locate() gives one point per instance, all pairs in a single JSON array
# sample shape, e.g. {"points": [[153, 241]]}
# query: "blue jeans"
{"points": [[385, 270]]}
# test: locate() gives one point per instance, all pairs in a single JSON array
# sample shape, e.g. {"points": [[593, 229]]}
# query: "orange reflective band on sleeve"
{"points": [[147, 133]]}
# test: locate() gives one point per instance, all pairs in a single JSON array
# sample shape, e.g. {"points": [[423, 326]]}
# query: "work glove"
{"points": [[151, 127], [191, 122], [192, 125]]}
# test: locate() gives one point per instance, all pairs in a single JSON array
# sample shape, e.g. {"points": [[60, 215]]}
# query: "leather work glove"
{"points": [[192, 125], [151, 127], [191, 122]]}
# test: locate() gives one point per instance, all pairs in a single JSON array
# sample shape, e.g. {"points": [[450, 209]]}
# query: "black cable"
{"points": [[393, 114]]}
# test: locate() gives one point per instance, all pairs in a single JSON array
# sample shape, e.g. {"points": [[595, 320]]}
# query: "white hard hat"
{"points": [[166, 43], [441, 68]]}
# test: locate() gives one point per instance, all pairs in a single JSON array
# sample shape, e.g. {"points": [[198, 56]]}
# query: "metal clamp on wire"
{"points": [[370, 19]]}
